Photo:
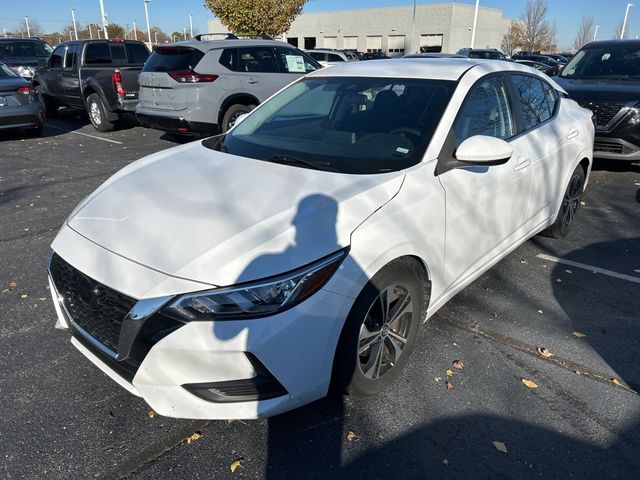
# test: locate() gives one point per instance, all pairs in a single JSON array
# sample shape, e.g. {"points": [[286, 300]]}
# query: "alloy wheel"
{"points": [[571, 200], [95, 114], [385, 331]]}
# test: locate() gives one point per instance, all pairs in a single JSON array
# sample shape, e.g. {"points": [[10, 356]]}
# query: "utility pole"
{"points": [[73, 18], [624, 23], [184, 34], [475, 23], [26, 21], [135, 30], [146, 14], [413, 29], [105, 22], [191, 25], [90, 32], [595, 34], [4, 30]]}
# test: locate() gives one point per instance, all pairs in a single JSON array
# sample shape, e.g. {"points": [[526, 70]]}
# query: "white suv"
{"points": [[328, 57], [201, 87]]}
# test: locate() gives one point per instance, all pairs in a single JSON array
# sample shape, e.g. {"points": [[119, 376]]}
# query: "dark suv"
{"points": [[605, 78], [24, 55], [99, 76]]}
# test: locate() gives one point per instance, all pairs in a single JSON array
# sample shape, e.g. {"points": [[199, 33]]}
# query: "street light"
{"points": [[191, 25], [135, 30], [26, 21], [413, 28], [184, 34], [4, 30], [105, 22], [475, 22], [73, 18], [146, 14], [155, 36], [624, 23], [595, 34]]}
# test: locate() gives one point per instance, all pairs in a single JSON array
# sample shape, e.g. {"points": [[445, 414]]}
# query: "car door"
{"points": [[545, 137], [69, 75], [484, 205], [52, 73], [260, 71]]}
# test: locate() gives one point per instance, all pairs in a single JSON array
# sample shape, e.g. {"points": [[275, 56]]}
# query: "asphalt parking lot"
{"points": [[578, 298]]}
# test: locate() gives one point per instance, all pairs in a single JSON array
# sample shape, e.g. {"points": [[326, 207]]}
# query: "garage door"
{"points": [[374, 43], [396, 45], [350, 43], [331, 42]]}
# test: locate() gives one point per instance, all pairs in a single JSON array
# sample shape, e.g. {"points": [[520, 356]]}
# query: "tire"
{"points": [[358, 369], [37, 130], [570, 205], [50, 108], [98, 114], [232, 113]]}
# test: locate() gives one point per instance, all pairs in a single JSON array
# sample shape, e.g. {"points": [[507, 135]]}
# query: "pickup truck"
{"points": [[99, 76]]}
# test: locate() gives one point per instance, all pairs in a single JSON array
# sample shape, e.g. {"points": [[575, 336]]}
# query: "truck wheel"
{"points": [[50, 108], [232, 113], [97, 114]]}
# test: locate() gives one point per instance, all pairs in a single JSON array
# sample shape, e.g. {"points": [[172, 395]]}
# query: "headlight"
{"points": [[24, 71], [257, 299]]}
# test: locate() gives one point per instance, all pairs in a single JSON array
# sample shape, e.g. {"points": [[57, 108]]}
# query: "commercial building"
{"points": [[445, 27]]}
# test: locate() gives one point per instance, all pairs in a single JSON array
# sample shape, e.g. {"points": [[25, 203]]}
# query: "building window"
{"points": [[309, 43], [293, 41]]}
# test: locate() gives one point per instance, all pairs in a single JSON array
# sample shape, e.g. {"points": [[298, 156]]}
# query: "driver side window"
{"points": [[485, 111]]}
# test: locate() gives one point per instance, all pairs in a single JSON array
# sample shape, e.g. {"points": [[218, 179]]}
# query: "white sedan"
{"points": [[242, 275]]}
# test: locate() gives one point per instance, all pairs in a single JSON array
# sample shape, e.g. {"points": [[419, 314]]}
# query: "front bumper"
{"points": [[296, 347], [612, 148], [30, 115]]}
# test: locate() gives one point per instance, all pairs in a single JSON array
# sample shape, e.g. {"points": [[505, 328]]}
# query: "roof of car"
{"points": [[206, 45], [435, 69], [613, 43]]}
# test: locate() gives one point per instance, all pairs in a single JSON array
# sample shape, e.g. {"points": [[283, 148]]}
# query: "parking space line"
{"points": [[84, 134], [591, 268]]}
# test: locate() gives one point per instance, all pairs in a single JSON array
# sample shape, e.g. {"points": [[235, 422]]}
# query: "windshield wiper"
{"points": [[326, 166]]}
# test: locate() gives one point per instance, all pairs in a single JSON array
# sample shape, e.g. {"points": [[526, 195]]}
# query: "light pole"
{"points": [[105, 22], [475, 23], [155, 36], [135, 30], [191, 26], [595, 34], [26, 21], [146, 14], [413, 28], [624, 23], [73, 18], [184, 34], [4, 30]]}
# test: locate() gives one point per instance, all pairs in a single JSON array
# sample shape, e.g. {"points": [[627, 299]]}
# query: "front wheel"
{"points": [[570, 204], [98, 114], [381, 329]]}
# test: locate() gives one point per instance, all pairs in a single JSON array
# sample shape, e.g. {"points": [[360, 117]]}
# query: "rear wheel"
{"points": [[98, 114], [232, 114], [570, 204], [381, 329]]}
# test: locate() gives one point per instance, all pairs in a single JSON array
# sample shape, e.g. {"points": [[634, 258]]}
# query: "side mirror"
{"points": [[484, 151]]}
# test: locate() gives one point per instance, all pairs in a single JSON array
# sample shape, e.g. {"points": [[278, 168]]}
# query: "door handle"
{"points": [[252, 81], [573, 134], [523, 164]]}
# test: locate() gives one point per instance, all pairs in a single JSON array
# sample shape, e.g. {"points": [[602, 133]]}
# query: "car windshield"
{"points": [[343, 124], [613, 62], [24, 49]]}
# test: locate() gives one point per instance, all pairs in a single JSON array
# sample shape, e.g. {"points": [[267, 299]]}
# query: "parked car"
{"points": [[99, 76], [24, 55], [328, 57], [604, 77], [237, 276], [538, 66], [544, 59], [561, 59], [358, 55], [486, 53], [20, 107], [377, 55], [434, 55], [202, 87]]}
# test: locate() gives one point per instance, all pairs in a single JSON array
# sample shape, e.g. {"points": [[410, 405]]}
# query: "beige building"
{"points": [[438, 27]]}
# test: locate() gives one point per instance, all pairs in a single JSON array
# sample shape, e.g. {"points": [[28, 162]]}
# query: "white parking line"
{"points": [[591, 268], [84, 134]]}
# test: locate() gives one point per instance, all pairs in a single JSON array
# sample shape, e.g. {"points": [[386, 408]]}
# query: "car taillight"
{"points": [[116, 79], [189, 76], [27, 89]]}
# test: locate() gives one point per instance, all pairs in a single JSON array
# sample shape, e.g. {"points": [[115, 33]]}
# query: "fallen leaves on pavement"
{"points": [[352, 436], [529, 383], [578, 334], [501, 447], [449, 385], [193, 437], [544, 352], [458, 364], [449, 372], [235, 464], [617, 382], [151, 414]]}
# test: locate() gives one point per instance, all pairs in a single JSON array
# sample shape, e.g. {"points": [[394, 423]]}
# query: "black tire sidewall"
{"points": [[231, 111], [105, 125], [559, 229], [347, 375]]}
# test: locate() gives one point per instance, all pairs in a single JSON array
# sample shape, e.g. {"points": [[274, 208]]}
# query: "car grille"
{"points": [[607, 147], [96, 308], [603, 110]]}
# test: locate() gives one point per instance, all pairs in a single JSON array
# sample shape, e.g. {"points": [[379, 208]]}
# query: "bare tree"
{"points": [[35, 29], [538, 34], [585, 33], [513, 39]]}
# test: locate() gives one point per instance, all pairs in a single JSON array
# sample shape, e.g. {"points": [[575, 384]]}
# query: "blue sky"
{"points": [[173, 15]]}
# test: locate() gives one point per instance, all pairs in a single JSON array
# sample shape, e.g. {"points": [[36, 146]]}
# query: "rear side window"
{"points": [[97, 53], [70, 58], [257, 59], [294, 61], [56, 57], [319, 56], [172, 59], [136, 52], [335, 58], [229, 59], [532, 99]]}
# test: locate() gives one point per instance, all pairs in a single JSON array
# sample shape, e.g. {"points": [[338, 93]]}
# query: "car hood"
{"points": [[24, 62], [600, 89], [215, 218]]}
